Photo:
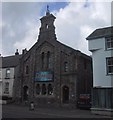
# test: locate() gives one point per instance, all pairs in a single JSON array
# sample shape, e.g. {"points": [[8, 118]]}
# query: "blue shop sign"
{"points": [[44, 76]]}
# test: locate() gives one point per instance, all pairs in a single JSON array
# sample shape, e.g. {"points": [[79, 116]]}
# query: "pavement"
{"points": [[18, 111]]}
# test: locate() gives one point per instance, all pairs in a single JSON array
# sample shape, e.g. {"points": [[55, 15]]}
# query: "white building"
{"points": [[101, 45], [8, 75], [7, 81]]}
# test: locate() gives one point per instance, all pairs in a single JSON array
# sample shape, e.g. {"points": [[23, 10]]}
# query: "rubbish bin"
{"points": [[31, 107]]}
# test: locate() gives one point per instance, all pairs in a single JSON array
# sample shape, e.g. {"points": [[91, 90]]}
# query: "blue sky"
{"points": [[53, 6], [20, 23]]}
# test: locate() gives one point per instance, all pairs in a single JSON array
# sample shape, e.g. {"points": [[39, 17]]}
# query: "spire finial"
{"points": [[16, 53], [47, 12]]}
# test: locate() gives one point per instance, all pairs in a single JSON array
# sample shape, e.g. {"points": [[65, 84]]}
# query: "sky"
{"points": [[75, 21]]}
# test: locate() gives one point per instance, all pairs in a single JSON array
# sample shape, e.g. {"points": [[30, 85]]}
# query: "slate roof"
{"points": [[102, 32], [10, 61]]}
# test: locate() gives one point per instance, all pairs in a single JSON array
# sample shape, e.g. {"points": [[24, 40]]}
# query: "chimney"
{"points": [[24, 51]]}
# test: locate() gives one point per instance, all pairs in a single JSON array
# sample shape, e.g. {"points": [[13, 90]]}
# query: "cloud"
{"points": [[74, 23], [29, 38], [18, 20]]}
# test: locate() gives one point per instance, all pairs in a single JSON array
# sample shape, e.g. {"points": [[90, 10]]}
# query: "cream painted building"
{"points": [[101, 45], [8, 75]]}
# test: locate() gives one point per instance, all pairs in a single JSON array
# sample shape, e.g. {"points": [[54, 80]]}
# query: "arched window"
{"points": [[38, 90], [43, 89], [50, 89], [27, 69], [46, 26], [42, 58], [48, 59], [65, 66]]}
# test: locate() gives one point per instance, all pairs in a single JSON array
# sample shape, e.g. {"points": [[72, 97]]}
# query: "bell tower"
{"points": [[47, 29]]}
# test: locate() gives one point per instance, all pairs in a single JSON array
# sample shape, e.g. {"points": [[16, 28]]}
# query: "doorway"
{"points": [[65, 91], [25, 93]]}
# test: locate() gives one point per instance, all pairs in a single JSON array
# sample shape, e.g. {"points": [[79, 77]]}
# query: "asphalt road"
{"points": [[14, 111]]}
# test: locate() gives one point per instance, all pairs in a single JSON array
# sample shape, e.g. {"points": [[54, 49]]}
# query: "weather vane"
{"points": [[47, 12], [47, 7]]}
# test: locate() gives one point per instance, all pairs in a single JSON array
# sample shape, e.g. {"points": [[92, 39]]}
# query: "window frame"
{"points": [[66, 67], [27, 70], [107, 65], [42, 60], [7, 75], [38, 89], [110, 41], [44, 89], [50, 89], [6, 89]]}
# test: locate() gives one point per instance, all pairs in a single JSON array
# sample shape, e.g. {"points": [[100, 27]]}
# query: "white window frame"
{"points": [[109, 65], [8, 74], [110, 41]]}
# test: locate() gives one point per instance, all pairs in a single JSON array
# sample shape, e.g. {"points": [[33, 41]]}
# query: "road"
{"points": [[16, 111]]}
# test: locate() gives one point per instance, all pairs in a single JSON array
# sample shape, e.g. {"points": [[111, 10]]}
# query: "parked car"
{"points": [[84, 101]]}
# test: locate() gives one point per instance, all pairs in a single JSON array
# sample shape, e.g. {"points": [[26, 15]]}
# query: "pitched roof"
{"points": [[102, 32], [10, 61]]}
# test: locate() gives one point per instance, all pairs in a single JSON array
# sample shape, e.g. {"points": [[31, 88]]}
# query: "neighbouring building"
{"points": [[52, 73], [8, 73], [101, 46], [0, 77]]}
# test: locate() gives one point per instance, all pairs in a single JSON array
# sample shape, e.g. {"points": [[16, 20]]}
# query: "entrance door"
{"points": [[65, 94], [25, 93]]}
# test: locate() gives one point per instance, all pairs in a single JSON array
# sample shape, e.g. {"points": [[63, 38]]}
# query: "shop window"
{"points": [[43, 89], [112, 98], [102, 98], [96, 98], [50, 89], [66, 66], [8, 73], [109, 94], [38, 90], [6, 88], [110, 65]]}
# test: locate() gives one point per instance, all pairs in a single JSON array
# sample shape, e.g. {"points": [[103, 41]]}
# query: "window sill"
{"points": [[108, 49], [6, 92], [7, 77], [109, 74]]}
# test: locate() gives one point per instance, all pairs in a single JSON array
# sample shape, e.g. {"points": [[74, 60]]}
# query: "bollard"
{"points": [[31, 106]]}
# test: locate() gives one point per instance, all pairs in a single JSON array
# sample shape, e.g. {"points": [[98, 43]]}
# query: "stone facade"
{"points": [[52, 73]]}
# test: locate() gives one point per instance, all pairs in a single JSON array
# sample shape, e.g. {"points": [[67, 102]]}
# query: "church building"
{"points": [[51, 73]]}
